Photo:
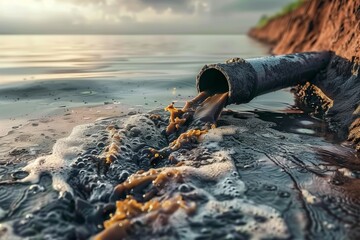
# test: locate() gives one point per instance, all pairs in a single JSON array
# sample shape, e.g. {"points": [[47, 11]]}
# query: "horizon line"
{"points": [[2, 34]]}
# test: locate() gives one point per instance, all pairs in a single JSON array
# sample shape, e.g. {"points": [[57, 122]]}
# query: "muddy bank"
{"points": [[325, 25], [257, 175]]}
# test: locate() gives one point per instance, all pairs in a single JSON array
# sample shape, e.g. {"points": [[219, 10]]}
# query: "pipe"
{"points": [[246, 79]]}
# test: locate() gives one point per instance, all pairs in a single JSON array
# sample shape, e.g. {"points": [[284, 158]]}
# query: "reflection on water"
{"points": [[42, 73], [270, 172], [116, 57]]}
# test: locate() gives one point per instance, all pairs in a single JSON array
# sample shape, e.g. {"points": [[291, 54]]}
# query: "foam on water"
{"points": [[7, 232], [256, 221], [308, 196], [216, 134], [2, 213], [243, 180], [216, 166], [208, 162], [346, 172], [58, 163], [259, 221], [67, 150]]}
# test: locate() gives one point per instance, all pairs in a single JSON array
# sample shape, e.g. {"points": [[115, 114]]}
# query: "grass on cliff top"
{"points": [[264, 20]]}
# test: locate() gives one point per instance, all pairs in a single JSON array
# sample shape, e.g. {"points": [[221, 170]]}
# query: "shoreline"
{"points": [[36, 137], [240, 158], [258, 174]]}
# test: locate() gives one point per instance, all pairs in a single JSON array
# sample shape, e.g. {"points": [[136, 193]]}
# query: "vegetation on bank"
{"points": [[264, 20]]}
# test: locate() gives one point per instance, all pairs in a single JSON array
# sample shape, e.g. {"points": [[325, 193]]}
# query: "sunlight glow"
{"points": [[128, 16]]}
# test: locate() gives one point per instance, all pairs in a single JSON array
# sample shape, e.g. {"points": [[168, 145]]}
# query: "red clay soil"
{"points": [[316, 25], [325, 25]]}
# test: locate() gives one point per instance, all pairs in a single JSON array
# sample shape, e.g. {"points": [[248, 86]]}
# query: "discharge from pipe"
{"points": [[245, 79]]}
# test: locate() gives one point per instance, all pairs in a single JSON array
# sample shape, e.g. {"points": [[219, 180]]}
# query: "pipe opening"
{"points": [[214, 81]]}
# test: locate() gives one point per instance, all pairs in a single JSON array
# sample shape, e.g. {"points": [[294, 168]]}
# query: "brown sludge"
{"points": [[204, 107], [187, 137], [155, 202], [113, 149], [149, 210], [203, 110], [178, 117], [210, 109]]}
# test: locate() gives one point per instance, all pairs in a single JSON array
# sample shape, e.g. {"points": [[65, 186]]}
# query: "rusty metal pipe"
{"points": [[246, 79]]}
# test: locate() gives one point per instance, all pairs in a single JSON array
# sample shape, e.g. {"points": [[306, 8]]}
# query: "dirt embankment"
{"points": [[325, 25], [316, 25]]}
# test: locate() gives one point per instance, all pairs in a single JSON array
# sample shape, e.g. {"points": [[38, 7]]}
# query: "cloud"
{"points": [[161, 5], [133, 16], [184, 6]]}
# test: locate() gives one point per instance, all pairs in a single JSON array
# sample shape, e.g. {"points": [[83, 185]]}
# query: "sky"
{"points": [[133, 16]]}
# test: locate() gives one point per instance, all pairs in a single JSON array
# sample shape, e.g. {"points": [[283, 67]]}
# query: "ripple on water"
{"points": [[11, 199]]}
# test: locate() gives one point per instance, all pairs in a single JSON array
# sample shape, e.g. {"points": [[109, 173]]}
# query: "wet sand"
{"points": [[29, 139]]}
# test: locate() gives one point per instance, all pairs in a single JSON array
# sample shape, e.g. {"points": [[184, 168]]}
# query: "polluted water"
{"points": [[202, 173]]}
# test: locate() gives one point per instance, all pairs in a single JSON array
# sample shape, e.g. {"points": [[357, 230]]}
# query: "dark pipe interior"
{"points": [[214, 81]]}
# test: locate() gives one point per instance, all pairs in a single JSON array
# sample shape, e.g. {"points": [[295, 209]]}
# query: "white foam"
{"points": [[230, 186], [305, 131], [2, 213], [309, 198], [217, 134], [273, 225], [306, 122], [221, 165], [346, 172], [7, 232], [222, 170], [65, 152]]}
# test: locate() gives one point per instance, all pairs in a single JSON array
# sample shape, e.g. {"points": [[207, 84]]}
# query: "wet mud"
{"points": [[334, 97], [257, 175]]}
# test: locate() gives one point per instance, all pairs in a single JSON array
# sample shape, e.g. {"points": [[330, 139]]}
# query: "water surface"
{"points": [[39, 74], [268, 171]]}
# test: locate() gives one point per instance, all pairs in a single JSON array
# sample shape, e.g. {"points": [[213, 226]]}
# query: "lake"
{"points": [[40, 74]]}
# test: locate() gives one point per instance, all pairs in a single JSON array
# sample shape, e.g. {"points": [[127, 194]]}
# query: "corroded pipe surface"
{"points": [[246, 79]]}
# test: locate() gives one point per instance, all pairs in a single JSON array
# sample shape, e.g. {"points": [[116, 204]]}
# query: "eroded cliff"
{"points": [[325, 25]]}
